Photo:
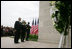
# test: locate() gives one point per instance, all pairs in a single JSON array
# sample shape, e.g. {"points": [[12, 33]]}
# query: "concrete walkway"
{"points": [[7, 42]]}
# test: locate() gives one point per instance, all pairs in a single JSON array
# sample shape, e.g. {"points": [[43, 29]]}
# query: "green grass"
{"points": [[33, 37]]}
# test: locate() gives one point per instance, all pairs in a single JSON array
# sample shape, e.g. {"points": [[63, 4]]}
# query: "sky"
{"points": [[12, 10]]}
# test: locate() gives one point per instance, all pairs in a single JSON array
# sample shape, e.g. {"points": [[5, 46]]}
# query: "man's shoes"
{"points": [[16, 42], [22, 41], [27, 40]]}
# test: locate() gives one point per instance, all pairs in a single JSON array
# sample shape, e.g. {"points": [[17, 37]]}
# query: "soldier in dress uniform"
{"points": [[28, 31]]}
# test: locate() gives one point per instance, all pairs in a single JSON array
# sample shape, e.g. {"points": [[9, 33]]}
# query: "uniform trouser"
{"points": [[27, 37], [17, 36], [22, 36]]}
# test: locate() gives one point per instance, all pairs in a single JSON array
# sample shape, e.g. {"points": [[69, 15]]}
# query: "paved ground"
{"points": [[7, 42]]}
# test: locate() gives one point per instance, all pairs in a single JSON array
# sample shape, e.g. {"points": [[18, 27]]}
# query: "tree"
{"points": [[63, 17]]}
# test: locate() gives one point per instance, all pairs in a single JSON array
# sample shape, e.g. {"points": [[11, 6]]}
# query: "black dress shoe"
{"points": [[27, 40], [22, 41], [16, 42]]}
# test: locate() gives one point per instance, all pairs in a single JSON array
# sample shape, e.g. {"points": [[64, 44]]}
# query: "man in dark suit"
{"points": [[28, 31], [17, 27]]}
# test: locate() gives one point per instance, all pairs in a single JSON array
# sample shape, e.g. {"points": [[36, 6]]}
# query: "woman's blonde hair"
{"points": [[23, 22]]}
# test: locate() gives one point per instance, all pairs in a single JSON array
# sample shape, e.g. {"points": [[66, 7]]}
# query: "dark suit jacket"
{"points": [[28, 28], [18, 25], [24, 28]]}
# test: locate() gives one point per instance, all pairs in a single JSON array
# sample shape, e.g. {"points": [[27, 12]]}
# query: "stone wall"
{"points": [[47, 32]]}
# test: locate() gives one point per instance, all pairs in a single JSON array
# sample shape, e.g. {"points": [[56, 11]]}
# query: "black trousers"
{"points": [[23, 36], [27, 37], [17, 36]]}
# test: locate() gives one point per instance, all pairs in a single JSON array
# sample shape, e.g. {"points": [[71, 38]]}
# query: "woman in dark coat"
{"points": [[23, 33]]}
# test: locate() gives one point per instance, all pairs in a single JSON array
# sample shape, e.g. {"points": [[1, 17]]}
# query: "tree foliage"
{"points": [[63, 16]]}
